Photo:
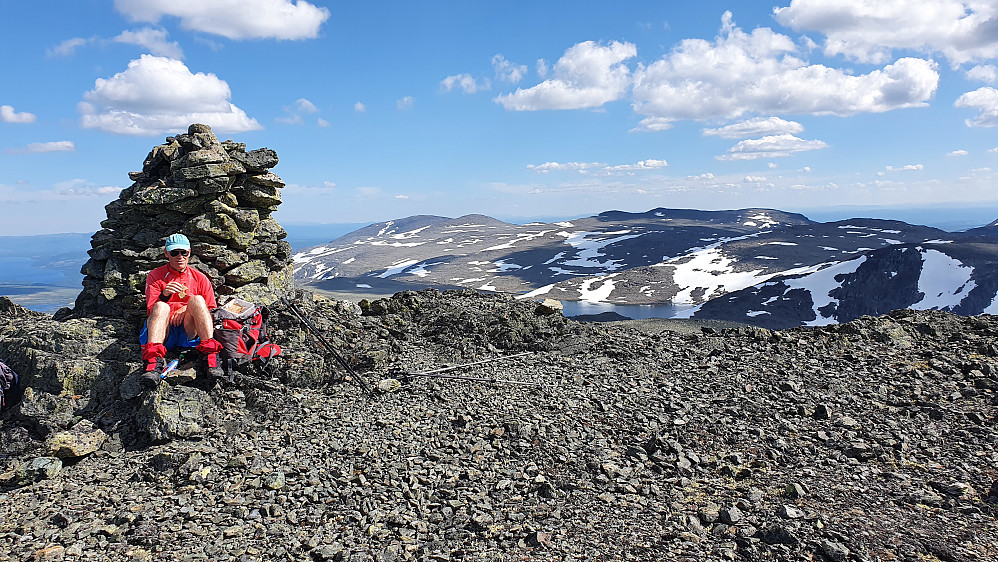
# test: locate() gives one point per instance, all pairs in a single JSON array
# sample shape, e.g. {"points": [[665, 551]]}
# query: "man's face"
{"points": [[179, 261]]}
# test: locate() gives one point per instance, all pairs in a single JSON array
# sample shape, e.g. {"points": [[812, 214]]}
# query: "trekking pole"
{"points": [[318, 335]]}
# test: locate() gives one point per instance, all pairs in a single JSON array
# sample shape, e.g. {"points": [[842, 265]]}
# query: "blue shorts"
{"points": [[176, 336]]}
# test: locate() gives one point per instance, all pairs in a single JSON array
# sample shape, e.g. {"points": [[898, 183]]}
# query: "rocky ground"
{"points": [[872, 440]]}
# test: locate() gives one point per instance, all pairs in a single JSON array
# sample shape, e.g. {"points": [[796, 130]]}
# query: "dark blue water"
{"points": [[633, 311]]}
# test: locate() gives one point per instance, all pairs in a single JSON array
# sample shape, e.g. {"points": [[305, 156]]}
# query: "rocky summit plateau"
{"points": [[670, 440], [473, 425]]}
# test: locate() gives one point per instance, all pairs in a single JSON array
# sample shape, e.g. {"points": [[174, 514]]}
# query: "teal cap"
{"points": [[175, 241]]}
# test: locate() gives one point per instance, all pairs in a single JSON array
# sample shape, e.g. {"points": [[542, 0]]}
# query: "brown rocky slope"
{"points": [[872, 440]]}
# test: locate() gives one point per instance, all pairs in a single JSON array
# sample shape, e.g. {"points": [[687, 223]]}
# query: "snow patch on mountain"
{"points": [[944, 281], [588, 250], [397, 268], [820, 284]]}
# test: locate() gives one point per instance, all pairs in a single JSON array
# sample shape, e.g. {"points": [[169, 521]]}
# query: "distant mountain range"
{"points": [[760, 266]]}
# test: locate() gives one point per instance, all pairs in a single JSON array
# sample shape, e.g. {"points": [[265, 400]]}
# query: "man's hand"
{"points": [[177, 316], [173, 287]]}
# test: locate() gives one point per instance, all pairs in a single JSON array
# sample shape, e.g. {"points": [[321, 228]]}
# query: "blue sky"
{"points": [[514, 109]]}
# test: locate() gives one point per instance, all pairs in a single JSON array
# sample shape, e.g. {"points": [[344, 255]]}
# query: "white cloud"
{"points": [[157, 95], [958, 153], [995, 149], [360, 108], [322, 122], [154, 40], [869, 30], [73, 189], [905, 168], [755, 127], [235, 19], [67, 47], [587, 75], [305, 106], [291, 119], [467, 83], [293, 112], [401, 196], [8, 115], [771, 165], [542, 68], [598, 168], [508, 71], [704, 176], [754, 179], [774, 146], [40, 147], [743, 73], [557, 166], [986, 73], [985, 101], [405, 103]]}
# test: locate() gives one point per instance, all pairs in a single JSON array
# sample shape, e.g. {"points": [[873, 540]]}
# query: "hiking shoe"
{"points": [[154, 371], [209, 350]]}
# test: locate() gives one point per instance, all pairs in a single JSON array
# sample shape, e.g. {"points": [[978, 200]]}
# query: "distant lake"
{"points": [[633, 311]]}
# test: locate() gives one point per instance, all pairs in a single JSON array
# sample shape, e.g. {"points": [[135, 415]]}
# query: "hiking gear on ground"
{"points": [[175, 241], [10, 386], [176, 336], [318, 335], [241, 329]]}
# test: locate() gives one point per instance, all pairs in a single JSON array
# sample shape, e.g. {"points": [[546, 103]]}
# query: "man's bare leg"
{"points": [[198, 319], [158, 323]]}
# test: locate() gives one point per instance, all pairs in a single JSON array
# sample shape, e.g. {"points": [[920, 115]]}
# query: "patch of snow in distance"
{"points": [[945, 281], [397, 268]]}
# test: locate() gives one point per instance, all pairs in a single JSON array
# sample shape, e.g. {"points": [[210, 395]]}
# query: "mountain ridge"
{"points": [[662, 256]]}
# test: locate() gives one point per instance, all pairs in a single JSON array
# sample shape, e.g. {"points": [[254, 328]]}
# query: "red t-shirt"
{"points": [[197, 283]]}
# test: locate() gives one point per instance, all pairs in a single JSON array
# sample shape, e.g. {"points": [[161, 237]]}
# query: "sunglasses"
{"points": [[176, 253]]}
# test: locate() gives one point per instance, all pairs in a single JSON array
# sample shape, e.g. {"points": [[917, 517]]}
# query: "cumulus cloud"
{"points": [[587, 75], [985, 101], [154, 40], [405, 103], [508, 71], [986, 73], [757, 72], [905, 168], [235, 19], [292, 113], [958, 153], [466, 82], [40, 147], [360, 108], [870, 30], [755, 127], [8, 115], [754, 179], [322, 122], [157, 95], [598, 168], [774, 146]]}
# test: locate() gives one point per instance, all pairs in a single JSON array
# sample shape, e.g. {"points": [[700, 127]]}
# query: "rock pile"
{"points": [[872, 440], [216, 193]]}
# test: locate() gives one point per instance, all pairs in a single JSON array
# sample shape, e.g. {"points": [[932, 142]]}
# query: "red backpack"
{"points": [[241, 328]]}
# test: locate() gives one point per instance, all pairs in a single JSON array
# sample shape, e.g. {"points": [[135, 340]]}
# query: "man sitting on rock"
{"points": [[179, 301]]}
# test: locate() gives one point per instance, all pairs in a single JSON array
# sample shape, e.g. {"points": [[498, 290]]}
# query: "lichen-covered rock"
{"points": [[80, 440], [171, 412], [214, 192]]}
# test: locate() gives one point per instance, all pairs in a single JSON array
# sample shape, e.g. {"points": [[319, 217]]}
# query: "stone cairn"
{"points": [[217, 194]]}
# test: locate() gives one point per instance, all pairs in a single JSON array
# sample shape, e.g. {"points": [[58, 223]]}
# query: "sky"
{"points": [[514, 109]]}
